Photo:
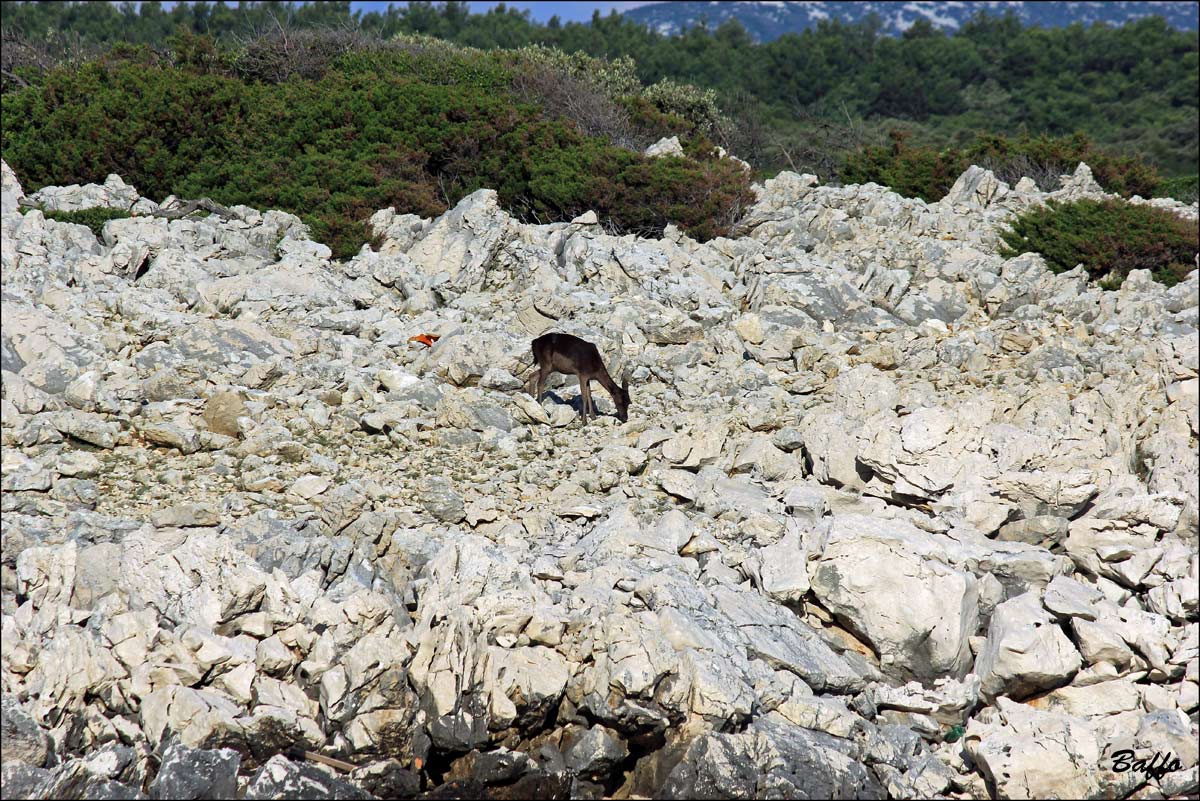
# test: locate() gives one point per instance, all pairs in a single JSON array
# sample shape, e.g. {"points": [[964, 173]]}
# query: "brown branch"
{"points": [[184, 209], [189, 206], [300, 753], [784, 151], [21, 82]]}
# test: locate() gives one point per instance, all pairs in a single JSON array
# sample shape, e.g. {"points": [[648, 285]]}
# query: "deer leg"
{"points": [[587, 398], [543, 374]]}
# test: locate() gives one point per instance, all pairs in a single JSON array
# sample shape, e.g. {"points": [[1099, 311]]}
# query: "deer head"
{"points": [[621, 398]]}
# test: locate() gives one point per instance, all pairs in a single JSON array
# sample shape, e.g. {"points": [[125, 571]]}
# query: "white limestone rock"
{"points": [[1025, 652], [1026, 753]]}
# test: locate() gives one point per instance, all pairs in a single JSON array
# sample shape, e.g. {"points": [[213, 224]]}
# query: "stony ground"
{"points": [[891, 517]]}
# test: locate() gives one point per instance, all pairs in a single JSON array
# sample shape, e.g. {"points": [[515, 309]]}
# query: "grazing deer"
{"points": [[563, 353]]}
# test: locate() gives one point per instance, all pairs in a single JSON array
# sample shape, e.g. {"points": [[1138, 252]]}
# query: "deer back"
{"points": [[568, 354]]}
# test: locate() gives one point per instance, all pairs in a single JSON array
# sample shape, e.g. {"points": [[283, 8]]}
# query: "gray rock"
{"points": [[441, 500], [12, 192], [975, 187], [667, 146], [222, 411], [21, 739], [186, 515], [113, 193], [463, 410], [388, 779], [190, 773], [1026, 753], [772, 759], [86, 427], [916, 612], [282, 778], [947, 701], [1044, 530], [596, 753], [858, 434], [21, 780], [215, 344], [97, 573], [1025, 651], [774, 635], [453, 252], [171, 436], [84, 779], [501, 766], [1070, 598]]}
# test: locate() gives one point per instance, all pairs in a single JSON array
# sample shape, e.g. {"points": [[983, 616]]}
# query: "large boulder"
{"points": [[772, 759], [189, 773], [1025, 753], [1026, 651], [895, 589]]}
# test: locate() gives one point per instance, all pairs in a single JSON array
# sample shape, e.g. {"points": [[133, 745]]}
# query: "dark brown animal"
{"points": [[570, 355]]}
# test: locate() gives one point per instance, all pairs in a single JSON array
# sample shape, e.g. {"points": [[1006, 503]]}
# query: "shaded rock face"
{"points": [[877, 483], [282, 778], [21, 738], [798, 762], [916, 614], [188, 773]]}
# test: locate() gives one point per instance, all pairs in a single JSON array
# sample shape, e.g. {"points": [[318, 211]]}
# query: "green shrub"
{"points": [[697, 106], [1185, 188], [910, 171], [1109, 237], [927, 173], [428, 60], [93, 218], [199, 54], [705, 198], [1044, 158], [417, 125], [652, 122], [1132, 86], [616, 77]]}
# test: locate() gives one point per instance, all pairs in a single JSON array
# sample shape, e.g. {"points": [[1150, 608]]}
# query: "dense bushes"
{"points": [[911, 171], [1131, 88], [1185, 188], [418, 126], [1044, 158], [928, 173], [1109, 237]]}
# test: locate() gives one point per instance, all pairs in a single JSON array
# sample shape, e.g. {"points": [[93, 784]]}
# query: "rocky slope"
{"points": [[892, 516]]}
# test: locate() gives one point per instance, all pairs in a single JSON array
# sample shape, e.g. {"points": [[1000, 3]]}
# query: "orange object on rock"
{"points": [[425, 339]]}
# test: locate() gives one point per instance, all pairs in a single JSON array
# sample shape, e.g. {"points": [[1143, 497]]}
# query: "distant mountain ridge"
{"points": [[769, 20]]}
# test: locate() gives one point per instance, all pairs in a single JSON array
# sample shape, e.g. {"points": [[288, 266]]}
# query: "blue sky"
{"points": [[538, 11]]}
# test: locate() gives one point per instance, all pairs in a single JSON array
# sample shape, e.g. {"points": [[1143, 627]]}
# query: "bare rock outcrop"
{"points": [[880, 487]]}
